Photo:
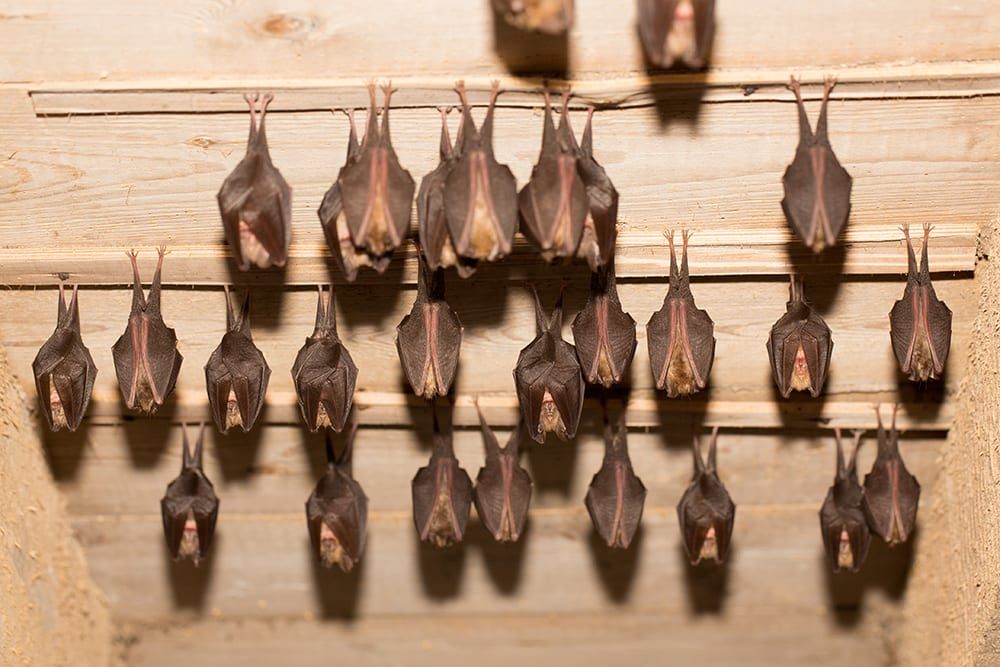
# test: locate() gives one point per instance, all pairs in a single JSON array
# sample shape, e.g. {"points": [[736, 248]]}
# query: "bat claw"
{"points": [[494, 91]]}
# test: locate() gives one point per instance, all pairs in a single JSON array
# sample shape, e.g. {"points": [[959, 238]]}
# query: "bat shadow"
{"points": [[314, 445], [364, 304], [552, 465], [189, 584], [682, 418], [820, 292], [706, 583], [616, 568], [504, 560], [922, 400], [441, 569], [63, 450], [236, 451], [801, 407], [337, 592], [147, 438], [525, 52], [266, 289]]}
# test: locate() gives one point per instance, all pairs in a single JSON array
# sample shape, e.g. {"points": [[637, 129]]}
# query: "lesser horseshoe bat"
{"points": [[503, 487], [604, 335], [190, 506], [616, 495], [597, 242], [799, 346], [442, 493], [846, 536], [548, 16], [891, 492], [705, 512], [677, 31]]}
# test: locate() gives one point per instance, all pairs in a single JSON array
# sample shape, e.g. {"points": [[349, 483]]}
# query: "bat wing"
{"points": [[325, 374], [481, 206], [553, 206], [400, 187], [655, 17], [206, 511], [449, 345], [615, 501], [432, 224], [800, 201], [66, 363], [565, 383], [890, 500], [903, 328], [834, 520], [704, 20], [939, 327], [174, 513], [836, 195], [162, 359], [491, 497], [818, 348], [700, 341], [412, 344]]}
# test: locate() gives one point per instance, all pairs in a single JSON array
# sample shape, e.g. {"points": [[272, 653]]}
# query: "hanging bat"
{"points": [[236, 373], [553, 17], [480, 194], [597, 242], [920, 323], [705, 512], [846, 536], [256, 202], [681, 336], [337, 511], [146, 357], [891, 492], [324, 372], [677, 31], [64, 370], [366, 213], [190, 507], [503, 487], [442, 494], [429, 339], [817, 189], [616, 495], [799, 346], [603, 333], [548, 379]]}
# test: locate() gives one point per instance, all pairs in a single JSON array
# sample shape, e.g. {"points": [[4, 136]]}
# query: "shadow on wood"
{"points": [[441, 570], [189, 584], [706, 583], [237, 451], [63, 450], [525, 52], [552, 465], [337, 592], [504, 560], [616, 568], [147, 440]]}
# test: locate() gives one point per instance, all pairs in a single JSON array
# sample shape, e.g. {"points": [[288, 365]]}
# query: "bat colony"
{"points": [[468, 210]]}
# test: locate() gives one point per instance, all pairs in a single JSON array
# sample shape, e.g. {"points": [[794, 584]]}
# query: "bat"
{"points": [[891, 492], [503, 487], [817, 189], [64, 370], [681, 337], [616, 495], [255, 201], [548, 379], [190, 507], [366, 213], [920, 323], [597, 242], [324, 372], [429, 338], [846, 535], [603, 333], [442, 494], [705, 512], [236, 374], [799, 346], [146, 357], [677, 31], [337, 511], [553, 17], [480, 194]]}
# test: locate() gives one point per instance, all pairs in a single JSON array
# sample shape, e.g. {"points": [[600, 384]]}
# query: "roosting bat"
{"points": [[548, 379], [146, 357], [705, 512], [190, 506], [681, 337], [677, 30], [845, 529], [429, 339], [337, 511], [324, 372], [616, 495], [64, 370], [799, 346], [366, 213], [549, 16], [817, 189], [603, 333], [256, 202], [236, 373], [597, 243], [920, 323], [891, 492], [442, 493], [503, 487]]}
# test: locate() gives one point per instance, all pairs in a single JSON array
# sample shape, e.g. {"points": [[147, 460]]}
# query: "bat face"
{"points": [[146, 357], [548, 379], [190, 507], [324, 372], [429, 339], [675, 31], [616, 495], [846, 536], [597, 241], [920, 323], [681, 337], [817, 189], [480, 194], [503, 487], [603, 333], [799, 347], [442, 494], [549, 16], [891, 492], [337, 512], [64, 370], [256, 202], [236, 373], [705, 512]]}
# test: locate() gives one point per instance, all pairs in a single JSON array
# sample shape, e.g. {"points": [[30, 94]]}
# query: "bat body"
{"points": [[799, 346], [705, 512], [146, 357], [548, 379], [256, 202], [681, 337], [429, 339], [604, 335], [190, 507], [236, 373], [442, 494], [891, 492], [817, 189], [337, 511], [846, 535], [597, 241], [675, 31], [64, 370], [553, 17], [366, 213], [503, 487], [324, 372], [920, 323], [616, 495]]}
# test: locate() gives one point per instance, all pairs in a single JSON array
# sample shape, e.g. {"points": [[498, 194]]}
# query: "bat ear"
{"points": [[710, 466]]}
